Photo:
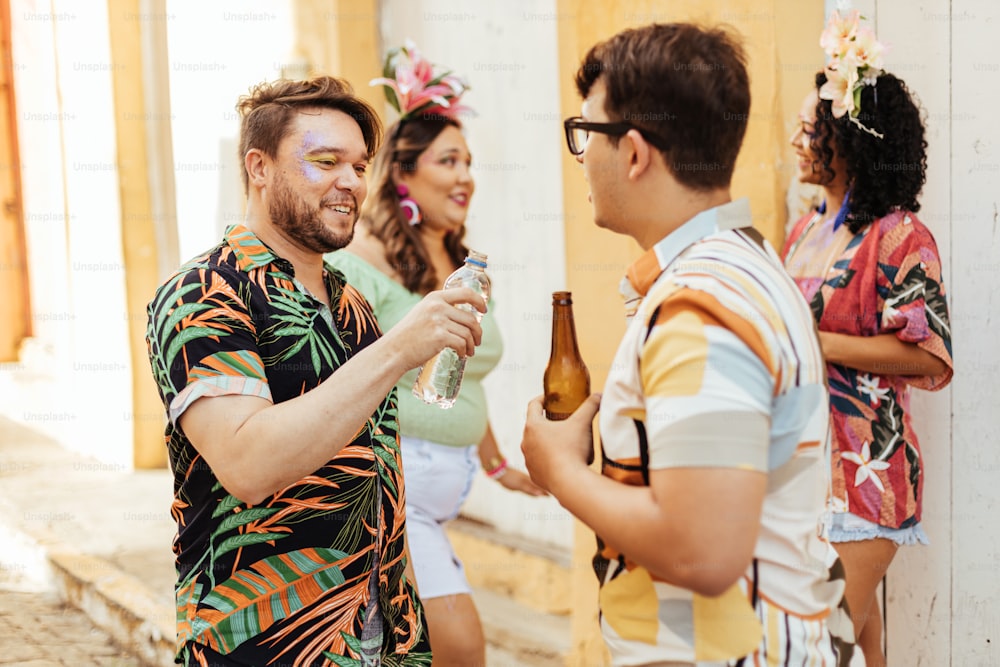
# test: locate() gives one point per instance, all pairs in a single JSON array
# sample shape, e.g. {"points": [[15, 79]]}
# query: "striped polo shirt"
{"points": [[720, 367]]}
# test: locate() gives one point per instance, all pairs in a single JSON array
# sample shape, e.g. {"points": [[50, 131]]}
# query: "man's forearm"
{"points": [[686, 537], [259, 451]]}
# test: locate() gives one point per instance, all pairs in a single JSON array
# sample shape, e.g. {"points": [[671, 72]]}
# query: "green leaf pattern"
{"points": [[249, 580]]}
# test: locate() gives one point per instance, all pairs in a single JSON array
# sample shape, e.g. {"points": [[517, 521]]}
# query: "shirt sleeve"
{"points": [[914, 306], [202, 340], [708, 386]]}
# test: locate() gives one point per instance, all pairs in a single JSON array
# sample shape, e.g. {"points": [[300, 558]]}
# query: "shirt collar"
{"points": [[250, 251], [842, 212], [641, 275]]}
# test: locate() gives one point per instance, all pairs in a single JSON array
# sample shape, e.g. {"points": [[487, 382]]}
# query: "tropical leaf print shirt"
{"points": [[720, 367], [885, 279], [288, 581]]}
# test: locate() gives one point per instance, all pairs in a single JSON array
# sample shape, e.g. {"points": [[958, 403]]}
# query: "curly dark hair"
{"points": [[384, 217], [882, 174]]}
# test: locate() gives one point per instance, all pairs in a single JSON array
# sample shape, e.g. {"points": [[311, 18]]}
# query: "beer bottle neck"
{"points": [[563, 331]]}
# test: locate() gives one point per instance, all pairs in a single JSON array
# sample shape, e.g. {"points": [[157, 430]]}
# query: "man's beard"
{"points": [[302, 223]]}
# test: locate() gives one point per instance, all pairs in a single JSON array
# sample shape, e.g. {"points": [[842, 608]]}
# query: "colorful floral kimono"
{"points": [[885, 279]]}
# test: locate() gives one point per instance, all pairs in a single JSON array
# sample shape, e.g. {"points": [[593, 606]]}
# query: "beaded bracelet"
{"points": [[497, 470]]}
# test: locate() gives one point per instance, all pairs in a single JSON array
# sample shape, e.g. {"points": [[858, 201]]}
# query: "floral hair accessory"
{"points": [[413, 89], [855, 61]]}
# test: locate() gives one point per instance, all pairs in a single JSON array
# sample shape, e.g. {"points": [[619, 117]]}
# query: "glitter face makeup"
{"points": [[308, 161], [316, 193]]}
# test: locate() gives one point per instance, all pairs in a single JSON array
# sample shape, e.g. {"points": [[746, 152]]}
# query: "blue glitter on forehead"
{"points": [[310, 171]]}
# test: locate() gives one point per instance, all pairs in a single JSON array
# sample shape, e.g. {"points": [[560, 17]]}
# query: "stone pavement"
{"points": [[37, 629], [99, 537], [95, 534]]}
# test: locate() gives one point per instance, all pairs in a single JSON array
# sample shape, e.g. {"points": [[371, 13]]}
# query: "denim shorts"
{"points": [[438, 480], [847, 527]]}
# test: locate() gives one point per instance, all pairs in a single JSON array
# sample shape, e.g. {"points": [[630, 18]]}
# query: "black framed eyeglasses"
{"points": [[577, 131]]}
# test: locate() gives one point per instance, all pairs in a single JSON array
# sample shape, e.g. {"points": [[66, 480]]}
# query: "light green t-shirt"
{"points": [[465, 422]]}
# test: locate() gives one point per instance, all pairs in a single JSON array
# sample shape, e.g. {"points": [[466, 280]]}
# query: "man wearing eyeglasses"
{"points": [[715, 463]]}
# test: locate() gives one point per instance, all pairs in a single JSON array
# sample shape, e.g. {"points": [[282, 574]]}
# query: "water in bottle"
{"points": [[439, 380]]}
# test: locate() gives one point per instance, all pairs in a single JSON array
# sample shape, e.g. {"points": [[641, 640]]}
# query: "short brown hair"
{"points": [[687, 85], [266, 113]]}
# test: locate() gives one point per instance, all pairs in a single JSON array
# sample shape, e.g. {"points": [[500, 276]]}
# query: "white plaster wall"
{"points": [[66, 122], [218, 50], [40, 124], [941, 598], [961, 426], [507, 52], [917, 590]]}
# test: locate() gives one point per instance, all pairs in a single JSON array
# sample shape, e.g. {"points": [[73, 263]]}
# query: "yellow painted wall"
{"points": [[596, 259], [341, 38], [15, 322], [139, 237], [532, 580]]}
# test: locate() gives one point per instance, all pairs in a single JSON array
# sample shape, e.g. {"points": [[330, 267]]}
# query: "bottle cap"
{"points": [[477, 258], [562, 297]]}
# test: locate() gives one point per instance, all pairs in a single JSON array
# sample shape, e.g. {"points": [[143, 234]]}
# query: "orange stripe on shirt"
{"points": [[711, 312]]}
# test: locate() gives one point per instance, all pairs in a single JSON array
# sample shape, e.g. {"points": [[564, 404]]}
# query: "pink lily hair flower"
{"points": [[855, 61], [413, 89]]}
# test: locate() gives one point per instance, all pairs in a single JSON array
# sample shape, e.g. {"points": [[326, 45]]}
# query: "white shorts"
{"points": [[438, 479]]}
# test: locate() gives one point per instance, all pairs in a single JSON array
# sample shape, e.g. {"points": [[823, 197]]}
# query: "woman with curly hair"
{"points": [[872, 274], [407, 242]]}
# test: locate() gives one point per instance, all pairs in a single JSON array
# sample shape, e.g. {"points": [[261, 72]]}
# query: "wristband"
{"points": [[498, 467]]}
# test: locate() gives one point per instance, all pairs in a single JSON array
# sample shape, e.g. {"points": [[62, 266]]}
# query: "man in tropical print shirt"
{"points": [[282, 429]]}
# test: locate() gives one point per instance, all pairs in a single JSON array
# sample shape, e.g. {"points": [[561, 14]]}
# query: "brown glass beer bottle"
{"points": [[566, 380]]}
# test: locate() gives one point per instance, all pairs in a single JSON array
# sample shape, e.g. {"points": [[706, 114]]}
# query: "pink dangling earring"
{"points": [[409, 205]]}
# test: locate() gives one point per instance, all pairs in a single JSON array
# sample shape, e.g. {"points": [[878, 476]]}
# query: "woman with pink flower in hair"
{"points": [[871, 272], [407, 242]]}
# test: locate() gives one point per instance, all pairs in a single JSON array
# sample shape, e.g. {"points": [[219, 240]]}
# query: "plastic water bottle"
{"points": [[439, 380]]}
